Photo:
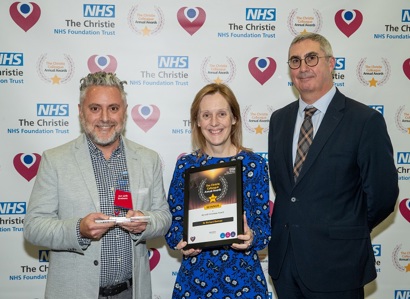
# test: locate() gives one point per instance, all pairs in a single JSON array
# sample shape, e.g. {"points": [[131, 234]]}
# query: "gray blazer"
{"points": [[64, 191]]}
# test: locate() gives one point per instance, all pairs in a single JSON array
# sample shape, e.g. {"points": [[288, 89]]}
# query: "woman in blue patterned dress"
{"points": [[230, 271]]}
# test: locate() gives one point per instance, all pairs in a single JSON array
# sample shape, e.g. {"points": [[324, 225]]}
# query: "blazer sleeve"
{"points": [[42, 225], [158, 209], [378, 171]]}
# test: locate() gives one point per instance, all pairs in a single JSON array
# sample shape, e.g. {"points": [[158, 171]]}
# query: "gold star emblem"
{"points": [[407, 268], [373, 82], [55, 80], [259, 129], [304, 31], [218, 80], [146, 31], [212, 198]]}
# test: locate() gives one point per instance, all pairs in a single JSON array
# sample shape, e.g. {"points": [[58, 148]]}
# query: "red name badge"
{"points": [[123, 199]]}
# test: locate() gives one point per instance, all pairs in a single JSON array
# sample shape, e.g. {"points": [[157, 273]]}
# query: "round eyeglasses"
{"points": [[310, 60]]}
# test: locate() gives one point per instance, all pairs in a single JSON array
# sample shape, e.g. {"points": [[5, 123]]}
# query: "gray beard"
{"points": [[98, 141]]}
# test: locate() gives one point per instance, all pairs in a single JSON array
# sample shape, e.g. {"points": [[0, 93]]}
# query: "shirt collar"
{"points": [[321, 104], [94, 150]]}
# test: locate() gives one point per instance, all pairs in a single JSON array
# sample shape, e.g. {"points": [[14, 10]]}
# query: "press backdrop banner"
{"points": [[166, 51]]}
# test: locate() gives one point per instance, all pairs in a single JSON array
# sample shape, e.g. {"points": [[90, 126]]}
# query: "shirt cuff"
{"points": [[83, 242]]}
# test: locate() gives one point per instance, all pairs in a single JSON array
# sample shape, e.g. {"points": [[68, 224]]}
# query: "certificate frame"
{"points": [[213, 205]]}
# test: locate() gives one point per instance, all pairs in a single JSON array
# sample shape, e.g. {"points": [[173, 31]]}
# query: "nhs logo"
{"points": [[405, 15], [377, 249], [173, 62], [340, 63], [99, 10], [11, 208], [402, 294], [43, 256], [378, 108], [52, 110], [403, 157], [261, 14], [11, 59]]}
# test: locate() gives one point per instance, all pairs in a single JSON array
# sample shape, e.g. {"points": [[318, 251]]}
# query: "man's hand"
{"points": [[134, 227], [94, 231]]}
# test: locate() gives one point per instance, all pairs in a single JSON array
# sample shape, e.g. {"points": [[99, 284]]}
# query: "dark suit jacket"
{"points": [[348, 185]]}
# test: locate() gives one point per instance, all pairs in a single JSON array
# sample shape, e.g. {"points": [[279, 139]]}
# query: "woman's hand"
{"points": [[187, 252], [247, 237]]}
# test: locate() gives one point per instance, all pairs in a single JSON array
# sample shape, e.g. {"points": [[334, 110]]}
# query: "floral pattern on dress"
{"points": [[223, 273]]}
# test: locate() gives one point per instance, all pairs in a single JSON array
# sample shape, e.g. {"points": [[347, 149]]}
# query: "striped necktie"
{"points": [[305, 140]]}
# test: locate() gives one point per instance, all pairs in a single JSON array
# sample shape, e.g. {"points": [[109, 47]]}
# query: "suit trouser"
{"points": [[290, 286]]}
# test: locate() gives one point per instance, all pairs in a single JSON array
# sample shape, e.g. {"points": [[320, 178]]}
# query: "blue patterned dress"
{"points": [[223, 273]]}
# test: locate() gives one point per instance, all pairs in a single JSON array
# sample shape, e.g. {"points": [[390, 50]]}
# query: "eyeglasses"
{"points": [[310, 60]]}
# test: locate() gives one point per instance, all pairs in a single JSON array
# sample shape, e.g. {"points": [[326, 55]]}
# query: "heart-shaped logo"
{"points": [[25, 15], [406, 68], [262, 69], [191, 18], [192, 239], [154, 257], [27, 165], [145, 116], [348, 21], [404, 208], [106, 63]]}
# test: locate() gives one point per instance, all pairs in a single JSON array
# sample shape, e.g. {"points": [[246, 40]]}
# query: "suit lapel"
{"points": [[288, 138], [134, 172], [333, 116], [82, 156]]}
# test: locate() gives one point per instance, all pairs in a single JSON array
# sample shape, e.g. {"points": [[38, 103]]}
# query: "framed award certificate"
{"points": [[213, 205]]}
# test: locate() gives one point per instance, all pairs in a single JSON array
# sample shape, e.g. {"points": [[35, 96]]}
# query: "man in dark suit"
{"points": [[347, 184]]}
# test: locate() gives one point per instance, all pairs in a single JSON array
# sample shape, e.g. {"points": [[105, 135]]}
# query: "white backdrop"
{"points": [[167, 50]]}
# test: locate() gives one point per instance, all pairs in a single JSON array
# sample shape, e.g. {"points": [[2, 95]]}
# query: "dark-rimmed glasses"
{"points": [[310, 60]]}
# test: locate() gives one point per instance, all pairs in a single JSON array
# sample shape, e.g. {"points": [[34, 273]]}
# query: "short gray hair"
{"points": [[323, 42], [102, 79]]}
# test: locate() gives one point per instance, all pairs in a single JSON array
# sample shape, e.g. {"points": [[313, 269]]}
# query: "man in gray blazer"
{"points": [[92, 178]]}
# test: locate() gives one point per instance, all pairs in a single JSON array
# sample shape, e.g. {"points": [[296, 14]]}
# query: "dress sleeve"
{"points": [[256, 199], [176, 205]]}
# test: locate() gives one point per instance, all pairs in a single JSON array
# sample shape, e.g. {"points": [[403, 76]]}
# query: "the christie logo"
{"points": [[12, 208], [402, 294], [403, 157], [173, 62], [405, 18], [52, 110], [378, 108], [154, 258], [27, 165], [25, 15], [43, 256], [261, 14], [11, 59], [377, 249], [340, 63], [98, 11], [191, 18]]}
